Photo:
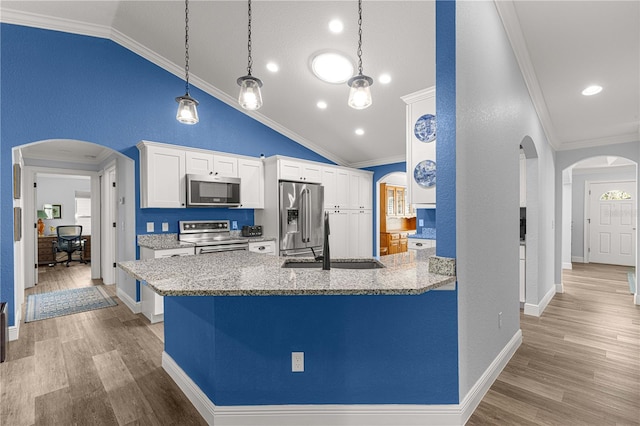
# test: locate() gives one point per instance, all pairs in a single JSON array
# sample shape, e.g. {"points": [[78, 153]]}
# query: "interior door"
{"points": [[612, 223]]}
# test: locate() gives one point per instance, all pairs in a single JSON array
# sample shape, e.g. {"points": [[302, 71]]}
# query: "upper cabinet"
{"points": [[163, 170], [395, 201], [336, 187], [421, 147], [360, 188], [162, 176], [302, 171]]}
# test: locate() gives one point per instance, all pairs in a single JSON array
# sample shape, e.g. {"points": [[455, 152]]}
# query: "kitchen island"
{"points": [[242, 273], [374, 336]]}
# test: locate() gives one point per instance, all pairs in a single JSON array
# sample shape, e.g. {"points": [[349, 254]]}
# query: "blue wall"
{"points": [[428, 218]]}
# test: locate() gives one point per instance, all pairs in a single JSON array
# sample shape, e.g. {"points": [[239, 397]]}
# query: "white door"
{"points": [[612, 223], [109, 214]]}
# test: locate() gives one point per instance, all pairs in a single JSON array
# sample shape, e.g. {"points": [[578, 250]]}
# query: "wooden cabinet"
{"points": [[395, 201], [152, 304], [251, 174], [46, 252], [393, 242]]}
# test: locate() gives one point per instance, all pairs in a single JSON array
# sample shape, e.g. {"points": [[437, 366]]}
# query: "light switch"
{"points": [[150, 227], [165, 227], [420, 222]]}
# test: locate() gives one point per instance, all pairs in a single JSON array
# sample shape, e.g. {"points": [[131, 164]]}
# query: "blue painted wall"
{"points": [[428, 218]]}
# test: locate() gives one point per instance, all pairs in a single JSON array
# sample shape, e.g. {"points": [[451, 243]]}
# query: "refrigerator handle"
{"points": [[303, 215], [307, 212]]}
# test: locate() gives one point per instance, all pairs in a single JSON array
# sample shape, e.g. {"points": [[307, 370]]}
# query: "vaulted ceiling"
{"points": [[562, 47]]}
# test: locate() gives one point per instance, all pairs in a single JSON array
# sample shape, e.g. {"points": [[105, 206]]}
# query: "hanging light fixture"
{"points": [[250, 97], [360, 92], [187, 112]]}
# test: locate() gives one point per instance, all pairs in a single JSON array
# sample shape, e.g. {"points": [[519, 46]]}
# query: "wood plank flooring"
{"points": [[100, 367], [579, 363]]}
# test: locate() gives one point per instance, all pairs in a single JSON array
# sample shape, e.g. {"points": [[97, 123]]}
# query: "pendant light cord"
{"points": [[249, 59], [186, 44], [360, 37]]}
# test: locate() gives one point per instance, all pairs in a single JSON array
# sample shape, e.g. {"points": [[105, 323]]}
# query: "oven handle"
{"points": [[206, 250]]}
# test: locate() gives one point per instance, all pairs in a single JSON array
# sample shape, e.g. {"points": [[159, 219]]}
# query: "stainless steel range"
{"points": [[210, 236]]}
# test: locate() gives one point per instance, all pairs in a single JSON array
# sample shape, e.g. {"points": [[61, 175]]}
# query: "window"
{"points": [[83, 211], [615, 194]]}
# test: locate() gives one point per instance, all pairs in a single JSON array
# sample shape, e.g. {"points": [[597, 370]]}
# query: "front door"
{"points": [[612, 227]]}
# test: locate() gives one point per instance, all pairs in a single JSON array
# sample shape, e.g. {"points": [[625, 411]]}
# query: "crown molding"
{"points": [[511, 23], [379, 162], [11, 16], [590, 143], [627, 168]]}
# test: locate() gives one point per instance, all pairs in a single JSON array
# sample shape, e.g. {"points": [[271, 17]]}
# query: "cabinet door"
{"points": [[290, 170], [312, 173], [399, 201], [360, 190], [361, 238], [162, 177], [342, 184], [329, 182], [339, 236], [421, 146], [391, 201], [251, 173], [225, 166], [199, 163]]}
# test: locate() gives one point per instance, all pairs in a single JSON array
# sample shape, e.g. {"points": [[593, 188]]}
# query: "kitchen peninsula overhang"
{"points": [[243, 273]]}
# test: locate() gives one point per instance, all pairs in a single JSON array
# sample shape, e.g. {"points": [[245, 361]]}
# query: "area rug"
{"points": [[66, 302]]}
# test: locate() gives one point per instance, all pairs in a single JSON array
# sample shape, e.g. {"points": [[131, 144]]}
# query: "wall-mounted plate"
{"points": [[425, 173], [425, 128]]}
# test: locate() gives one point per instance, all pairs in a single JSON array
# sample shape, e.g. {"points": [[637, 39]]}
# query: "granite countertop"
{"points": [[243, 273], [170, 241], [425, 234]]}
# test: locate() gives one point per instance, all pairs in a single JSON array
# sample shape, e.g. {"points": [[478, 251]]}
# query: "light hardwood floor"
{"points": [[579, 363], [101, 367]]}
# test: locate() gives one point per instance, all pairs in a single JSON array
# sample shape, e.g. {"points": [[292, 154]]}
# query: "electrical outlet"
{"points": [[499, 319], [234, 224], [297, 362], [150, 227], [165, 227]]}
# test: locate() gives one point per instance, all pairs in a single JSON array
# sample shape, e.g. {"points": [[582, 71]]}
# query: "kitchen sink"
{"points": [[335, 263]]}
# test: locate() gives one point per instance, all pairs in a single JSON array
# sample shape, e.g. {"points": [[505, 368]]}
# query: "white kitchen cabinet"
{"points": [[251, 174], [300, 171], [360, 188], [361, 233], [152, 304], [265, 247], [162, 176], [199, 163], [339, 234], [335, 181], [421, 243], [224, 165], [421, 147], [523, 270]]}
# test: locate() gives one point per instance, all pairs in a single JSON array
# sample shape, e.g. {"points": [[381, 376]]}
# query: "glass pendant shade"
{"points": [[250, 97], [187, 111], [360, 92]]}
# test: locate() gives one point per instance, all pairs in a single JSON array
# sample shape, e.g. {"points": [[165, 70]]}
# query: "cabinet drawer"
{"points": [[266, 247], [418, 244], [394, 236]]}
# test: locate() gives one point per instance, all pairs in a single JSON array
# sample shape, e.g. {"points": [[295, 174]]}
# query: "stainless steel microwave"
{"points": [[212, 191]]}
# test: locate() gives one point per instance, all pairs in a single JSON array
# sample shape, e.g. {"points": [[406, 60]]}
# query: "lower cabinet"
{"points": [[152, 303], [394, 242], [339, 233], [420, 244], [350, 233]]}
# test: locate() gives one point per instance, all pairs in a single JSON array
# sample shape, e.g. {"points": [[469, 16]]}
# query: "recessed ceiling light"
{"points": [[336, 26], [322, 105], [592, 90], [384, 78], [273, 67], [359, 132], [332, 67]]}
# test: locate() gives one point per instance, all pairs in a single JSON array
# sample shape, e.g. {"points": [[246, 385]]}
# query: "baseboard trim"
{"points": [[567, 265], [577, 259], [636, 299], [127, 300], [352, 415], [537, 310], [560, 288], [482, 385], [14, 330]]}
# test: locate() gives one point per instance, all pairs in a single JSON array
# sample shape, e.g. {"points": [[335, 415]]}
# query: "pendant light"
{"points": [[360, 92], [250, 97], [187, 112]]}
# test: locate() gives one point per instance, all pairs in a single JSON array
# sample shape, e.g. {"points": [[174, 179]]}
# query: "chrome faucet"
{"points": [[326, 259]]}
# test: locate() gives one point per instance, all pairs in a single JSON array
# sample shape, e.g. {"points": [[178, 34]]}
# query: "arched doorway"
{"points": [[71, 158]]}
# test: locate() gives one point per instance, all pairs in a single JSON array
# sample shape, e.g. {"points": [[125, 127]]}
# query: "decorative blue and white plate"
{"points": [[425, 128], [425, 173]]}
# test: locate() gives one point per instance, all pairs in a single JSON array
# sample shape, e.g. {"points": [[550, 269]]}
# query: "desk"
{"points": [[45, 249]]}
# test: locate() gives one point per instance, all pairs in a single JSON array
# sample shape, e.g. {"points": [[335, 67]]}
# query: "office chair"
{"points": [[69, 241]]}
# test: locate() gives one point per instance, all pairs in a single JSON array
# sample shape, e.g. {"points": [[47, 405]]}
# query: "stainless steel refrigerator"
{"points": [[301, 219]]}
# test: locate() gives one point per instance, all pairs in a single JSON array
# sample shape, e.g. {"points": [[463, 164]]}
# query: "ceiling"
{"points": [[561, 46]]}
